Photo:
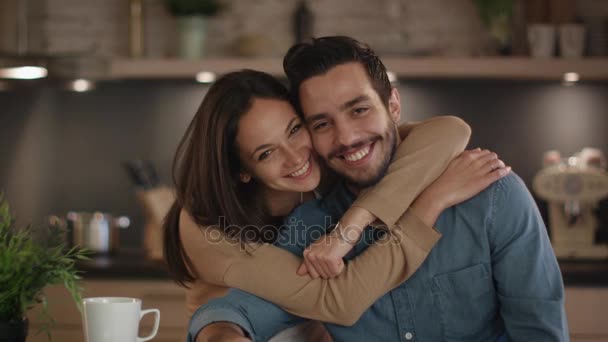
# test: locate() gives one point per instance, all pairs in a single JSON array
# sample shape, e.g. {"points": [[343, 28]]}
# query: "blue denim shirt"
{"points": [[492, 276]]}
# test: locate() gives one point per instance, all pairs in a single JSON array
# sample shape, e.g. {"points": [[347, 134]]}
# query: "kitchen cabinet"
{"points": [[587, 309], [161, 294]]}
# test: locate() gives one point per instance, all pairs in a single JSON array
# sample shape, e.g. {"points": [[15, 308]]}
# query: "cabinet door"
{"points": [[587, 309]]}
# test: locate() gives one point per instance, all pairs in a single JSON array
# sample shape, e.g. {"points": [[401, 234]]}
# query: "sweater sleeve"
{"points": [[420, 159], [269, 272]]}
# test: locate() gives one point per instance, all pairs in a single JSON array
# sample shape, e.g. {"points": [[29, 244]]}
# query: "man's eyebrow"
{"points": [[316, 117], [354, 101]]}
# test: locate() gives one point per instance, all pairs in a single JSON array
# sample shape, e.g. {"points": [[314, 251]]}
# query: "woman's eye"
{"points": [[264, 155], [295, 129]]}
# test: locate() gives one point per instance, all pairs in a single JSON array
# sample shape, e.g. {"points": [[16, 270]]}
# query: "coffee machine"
{"points": [[573, 187]]}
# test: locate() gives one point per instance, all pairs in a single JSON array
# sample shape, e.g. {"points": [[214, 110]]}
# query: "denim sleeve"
{"points": [[305, 225], [258, 318], [527, 277]]}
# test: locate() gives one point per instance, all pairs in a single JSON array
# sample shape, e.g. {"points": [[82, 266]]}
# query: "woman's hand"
{"points": [[323, 258], [466, 176]]}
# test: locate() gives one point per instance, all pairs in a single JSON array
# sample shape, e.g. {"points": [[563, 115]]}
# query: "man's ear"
{"points": [[394, 106], [245, 177]]}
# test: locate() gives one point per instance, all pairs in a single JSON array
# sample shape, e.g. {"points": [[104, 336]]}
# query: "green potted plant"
{"points": [[30, 260], [496, 16], [191, 18]]}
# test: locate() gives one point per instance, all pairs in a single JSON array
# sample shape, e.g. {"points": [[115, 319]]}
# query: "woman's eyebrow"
{"points": [[261, 147], [290, 124]]}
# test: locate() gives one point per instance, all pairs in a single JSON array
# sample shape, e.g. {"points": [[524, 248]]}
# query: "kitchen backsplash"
{"points": [[64, 151]]}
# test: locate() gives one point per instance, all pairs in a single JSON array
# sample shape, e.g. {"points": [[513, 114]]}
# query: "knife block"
{"points": [[155, 204]]}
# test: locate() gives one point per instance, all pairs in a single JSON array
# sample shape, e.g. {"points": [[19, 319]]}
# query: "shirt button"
{"points": [[408, 336]]}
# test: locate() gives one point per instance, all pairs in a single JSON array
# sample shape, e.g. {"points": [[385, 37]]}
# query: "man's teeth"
{"points": [[301, 171], [358, 155]]}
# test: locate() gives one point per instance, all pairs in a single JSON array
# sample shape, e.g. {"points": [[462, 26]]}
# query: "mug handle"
{"points": [[156, 323]]}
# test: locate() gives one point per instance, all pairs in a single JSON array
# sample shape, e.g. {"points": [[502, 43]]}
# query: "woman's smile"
{"points": [[303, 172]]}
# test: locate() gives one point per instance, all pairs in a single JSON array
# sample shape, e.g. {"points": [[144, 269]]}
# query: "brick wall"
{"points": [[101, 28]]}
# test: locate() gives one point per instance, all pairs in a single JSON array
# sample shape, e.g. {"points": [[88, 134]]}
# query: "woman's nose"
{"points": [[294, 157]]}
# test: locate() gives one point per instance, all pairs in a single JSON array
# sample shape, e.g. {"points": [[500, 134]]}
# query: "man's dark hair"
{"points": [[314, 58]]}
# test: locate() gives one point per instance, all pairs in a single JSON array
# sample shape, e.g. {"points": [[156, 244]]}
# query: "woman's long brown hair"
{"points": [[206, 170]]}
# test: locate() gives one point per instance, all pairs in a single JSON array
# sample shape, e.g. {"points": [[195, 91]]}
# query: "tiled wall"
{"points": [[63, 151]]}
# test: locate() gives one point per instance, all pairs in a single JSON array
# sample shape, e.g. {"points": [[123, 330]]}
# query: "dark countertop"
{"points": [[132, 264], [585, 272], [125, 264]]}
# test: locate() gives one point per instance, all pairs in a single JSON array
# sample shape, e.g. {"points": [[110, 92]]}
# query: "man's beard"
{"points": [[390, 138]]}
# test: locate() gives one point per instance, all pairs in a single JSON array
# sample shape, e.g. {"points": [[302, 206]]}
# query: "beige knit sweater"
{"points": [[269, 272]]}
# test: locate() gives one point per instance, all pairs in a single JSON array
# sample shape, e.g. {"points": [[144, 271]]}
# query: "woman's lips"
{"points": [[303, 172]]}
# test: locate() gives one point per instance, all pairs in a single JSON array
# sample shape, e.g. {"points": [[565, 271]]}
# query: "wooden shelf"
{"points": [[595, 69]]}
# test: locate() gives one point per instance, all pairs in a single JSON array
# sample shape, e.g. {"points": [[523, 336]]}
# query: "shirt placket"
{"points": [[403, 312]]}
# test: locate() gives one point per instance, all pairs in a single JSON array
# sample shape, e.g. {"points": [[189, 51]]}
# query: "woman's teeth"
{"points": [[358, 155], [301, 171]]}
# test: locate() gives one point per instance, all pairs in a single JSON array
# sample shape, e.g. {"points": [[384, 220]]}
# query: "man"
{"points": [[492, 275]]}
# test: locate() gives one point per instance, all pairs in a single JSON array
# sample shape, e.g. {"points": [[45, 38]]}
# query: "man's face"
{"points": [[351, 128]]}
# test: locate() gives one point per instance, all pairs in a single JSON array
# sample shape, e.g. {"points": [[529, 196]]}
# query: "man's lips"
{"points": [[357, 157]]}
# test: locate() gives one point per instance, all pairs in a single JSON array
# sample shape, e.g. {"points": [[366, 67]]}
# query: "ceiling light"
{"points": [[19, 64], [570, 78], [23, 72], [81, 85], [205, 77]]}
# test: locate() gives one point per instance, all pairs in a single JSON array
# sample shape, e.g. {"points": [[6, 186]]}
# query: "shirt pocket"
{"points": [[467, 303]]}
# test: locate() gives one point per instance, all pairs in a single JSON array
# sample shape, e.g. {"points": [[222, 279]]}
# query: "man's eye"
{"points": [[361, 110], [264, 155], [319, 126]]}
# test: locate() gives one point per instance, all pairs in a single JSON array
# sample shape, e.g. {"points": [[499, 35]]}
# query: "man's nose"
{"points": [[345, 133]]}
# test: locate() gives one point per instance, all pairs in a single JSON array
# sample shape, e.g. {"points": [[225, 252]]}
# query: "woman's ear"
{"points": [[394, 106], [245, 177]]}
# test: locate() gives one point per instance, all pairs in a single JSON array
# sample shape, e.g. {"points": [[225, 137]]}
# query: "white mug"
{"points": [[571, 40], [541, 38], [112, 319]]}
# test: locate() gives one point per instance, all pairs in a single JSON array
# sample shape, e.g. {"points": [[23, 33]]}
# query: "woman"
{"points": [[246, 161]]}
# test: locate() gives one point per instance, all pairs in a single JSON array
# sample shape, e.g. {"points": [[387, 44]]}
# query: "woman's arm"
{"points": [[427, 148], [425, 152], [269, 272]]}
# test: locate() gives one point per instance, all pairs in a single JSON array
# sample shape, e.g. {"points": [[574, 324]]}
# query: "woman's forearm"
{"points": [[270, 273], [422, 156]]}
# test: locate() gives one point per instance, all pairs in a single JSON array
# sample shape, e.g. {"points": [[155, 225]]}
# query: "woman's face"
{"points": [[275, 147]]}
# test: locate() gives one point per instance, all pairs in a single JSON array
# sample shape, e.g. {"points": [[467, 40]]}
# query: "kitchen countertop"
{"points": [[585, 272], [132, 264], [125, 264]]}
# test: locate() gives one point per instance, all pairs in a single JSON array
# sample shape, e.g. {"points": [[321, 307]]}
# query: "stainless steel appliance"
{"points": [[96, 231], [573, 187]]}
